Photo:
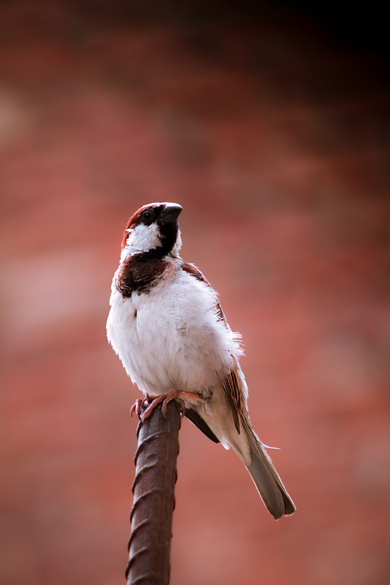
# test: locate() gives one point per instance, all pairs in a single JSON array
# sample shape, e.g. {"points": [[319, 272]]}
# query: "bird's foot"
{"points": [[165, 398], [137, 406]]}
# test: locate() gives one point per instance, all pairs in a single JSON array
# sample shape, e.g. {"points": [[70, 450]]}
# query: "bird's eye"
{"points": [[148, 216]]}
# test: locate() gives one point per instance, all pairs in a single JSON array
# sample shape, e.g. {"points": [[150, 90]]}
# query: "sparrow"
{"points": [[169, 330]]}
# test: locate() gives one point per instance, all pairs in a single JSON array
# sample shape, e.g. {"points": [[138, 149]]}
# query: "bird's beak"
{"points": [[170, 213]]}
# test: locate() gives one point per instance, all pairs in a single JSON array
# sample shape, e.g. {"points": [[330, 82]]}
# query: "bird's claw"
{"points": [[165, 399], [136, 408]]}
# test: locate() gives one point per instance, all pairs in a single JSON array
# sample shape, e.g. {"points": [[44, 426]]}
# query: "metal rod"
{"points": [[154, 500]]}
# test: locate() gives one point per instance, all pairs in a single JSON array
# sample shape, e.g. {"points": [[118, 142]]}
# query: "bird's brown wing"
{"points": [[231, 383], [232, 387]]}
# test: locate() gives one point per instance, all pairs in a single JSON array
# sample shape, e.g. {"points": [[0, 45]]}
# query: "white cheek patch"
{"points": [[142, 238], [176, 248]]}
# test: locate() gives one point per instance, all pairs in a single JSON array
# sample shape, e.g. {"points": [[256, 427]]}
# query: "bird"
{"points": [[168, 328]]}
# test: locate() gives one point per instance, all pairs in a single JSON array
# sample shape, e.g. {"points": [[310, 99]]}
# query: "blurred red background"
{"points": [[269, 125]]}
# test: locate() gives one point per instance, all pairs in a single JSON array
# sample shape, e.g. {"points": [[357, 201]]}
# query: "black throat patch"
{"points": [[138, 274]]}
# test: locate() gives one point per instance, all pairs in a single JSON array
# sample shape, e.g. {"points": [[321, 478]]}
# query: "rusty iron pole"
{"points": [[153, 497]]}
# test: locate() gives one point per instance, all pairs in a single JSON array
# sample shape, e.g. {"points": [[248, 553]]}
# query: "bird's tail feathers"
{"points": [[265, 477]]}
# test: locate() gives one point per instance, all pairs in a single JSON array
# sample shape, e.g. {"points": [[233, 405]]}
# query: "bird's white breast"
{"points": [[171, 336]]}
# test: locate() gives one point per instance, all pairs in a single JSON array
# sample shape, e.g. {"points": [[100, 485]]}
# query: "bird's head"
{"points": [[153, 230]]}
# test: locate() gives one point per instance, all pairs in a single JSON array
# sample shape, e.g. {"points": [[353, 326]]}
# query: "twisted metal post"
{"points": [[154, 501]]}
